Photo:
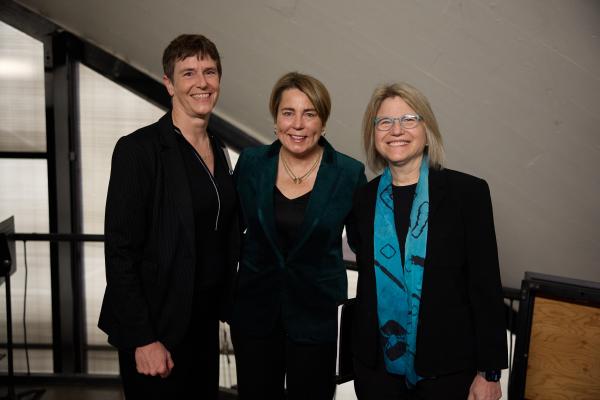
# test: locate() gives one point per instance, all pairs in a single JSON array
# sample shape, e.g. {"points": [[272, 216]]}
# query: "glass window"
{"points": [[22, 103], [24, 194], [107, 112]]}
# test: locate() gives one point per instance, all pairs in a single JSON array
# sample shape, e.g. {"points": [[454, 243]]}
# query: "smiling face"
{"points": [[195, 86], [298, 126], [400, 146]]}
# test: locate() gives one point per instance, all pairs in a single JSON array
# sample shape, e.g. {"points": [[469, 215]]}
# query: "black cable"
{"points": [[25, 309]]}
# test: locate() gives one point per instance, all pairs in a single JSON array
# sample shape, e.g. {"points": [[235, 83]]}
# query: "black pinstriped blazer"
{"points": [[149, 247]]}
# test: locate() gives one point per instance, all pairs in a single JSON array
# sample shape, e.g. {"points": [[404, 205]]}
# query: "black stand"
{"points": [[9, 344], [11, 394]]}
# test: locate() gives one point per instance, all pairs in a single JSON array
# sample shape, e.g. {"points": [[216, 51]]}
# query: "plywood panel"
{"points": [[564, 352]]}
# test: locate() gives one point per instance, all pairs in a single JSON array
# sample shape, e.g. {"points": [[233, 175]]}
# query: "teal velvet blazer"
{"points": [[300, 291]]}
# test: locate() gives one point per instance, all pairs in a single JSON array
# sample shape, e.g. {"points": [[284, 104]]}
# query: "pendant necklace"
{"points": [[298, 179]]}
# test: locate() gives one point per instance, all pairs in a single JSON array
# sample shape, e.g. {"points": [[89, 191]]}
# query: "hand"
{"points": [[153, 359], [484, 390]]}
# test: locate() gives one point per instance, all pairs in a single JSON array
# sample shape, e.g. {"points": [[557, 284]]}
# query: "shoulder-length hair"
{"points": [[418, 102]]}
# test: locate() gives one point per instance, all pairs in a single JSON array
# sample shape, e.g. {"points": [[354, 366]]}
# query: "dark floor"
{"points": [[71, 392], [84, 392]]}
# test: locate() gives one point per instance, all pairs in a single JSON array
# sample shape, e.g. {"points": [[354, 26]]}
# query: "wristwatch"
{"points": [[490, 376]]}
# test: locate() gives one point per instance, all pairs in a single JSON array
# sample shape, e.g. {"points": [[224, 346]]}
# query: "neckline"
{"points": [[404, 187], [277, 191]]}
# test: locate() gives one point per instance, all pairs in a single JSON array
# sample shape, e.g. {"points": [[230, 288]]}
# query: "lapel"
{"points": [[175, 176], [264, 201], [327, 178], [323, 189], [438, 186]]}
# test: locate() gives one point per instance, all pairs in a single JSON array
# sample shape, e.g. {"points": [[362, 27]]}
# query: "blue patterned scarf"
{"points": [[399, 283]]}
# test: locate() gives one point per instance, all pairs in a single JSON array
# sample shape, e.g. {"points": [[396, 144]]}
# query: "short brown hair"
{"points": [[184, 46], [418, 102], [312, 87]]}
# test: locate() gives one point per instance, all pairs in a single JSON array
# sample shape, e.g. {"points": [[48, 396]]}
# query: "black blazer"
{"points": [[461, 318], [149, 241], [302, 289]]}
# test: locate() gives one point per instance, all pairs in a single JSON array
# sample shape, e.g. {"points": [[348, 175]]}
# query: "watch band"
{"points": [[491, 375]]}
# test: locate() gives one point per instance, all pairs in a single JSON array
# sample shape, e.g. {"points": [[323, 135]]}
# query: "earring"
{"points": [[323, 133]]}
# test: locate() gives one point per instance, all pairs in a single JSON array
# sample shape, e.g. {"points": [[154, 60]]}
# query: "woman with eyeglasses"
{"points": [[295, 195], [429, 320]]}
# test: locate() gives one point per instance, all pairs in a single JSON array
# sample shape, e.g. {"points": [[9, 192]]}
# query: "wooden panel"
{"points": [[564, 352]]}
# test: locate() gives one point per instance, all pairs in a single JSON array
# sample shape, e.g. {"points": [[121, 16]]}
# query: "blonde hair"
{"points": [[418, 102], [312, 87]]}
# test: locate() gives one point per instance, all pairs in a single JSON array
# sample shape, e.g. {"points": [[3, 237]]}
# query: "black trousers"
{"points": [[378, 384], [267, 365], [196, 370]]}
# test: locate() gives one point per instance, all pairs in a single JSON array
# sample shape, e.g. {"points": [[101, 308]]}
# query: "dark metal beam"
{"points": [[25, 20], [64, 208], [22, 154], [56, 237]]}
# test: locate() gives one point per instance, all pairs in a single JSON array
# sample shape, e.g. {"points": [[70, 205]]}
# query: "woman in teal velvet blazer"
{"points": [[295, 196]]}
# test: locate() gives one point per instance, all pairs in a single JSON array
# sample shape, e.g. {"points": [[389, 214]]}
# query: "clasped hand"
{"points": [[153, 359]]}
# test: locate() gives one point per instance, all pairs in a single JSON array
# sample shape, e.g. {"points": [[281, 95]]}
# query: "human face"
{"points": [[400, 146], [298, 126], [195, 86]]}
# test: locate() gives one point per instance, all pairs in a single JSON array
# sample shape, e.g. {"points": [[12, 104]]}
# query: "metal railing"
{"points": [[511, 297]]}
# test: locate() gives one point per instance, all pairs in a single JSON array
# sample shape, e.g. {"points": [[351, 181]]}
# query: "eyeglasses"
{"points": [[407, 121]]}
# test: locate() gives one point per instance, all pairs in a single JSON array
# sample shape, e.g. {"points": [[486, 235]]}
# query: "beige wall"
{"points": [[515, 85]]}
